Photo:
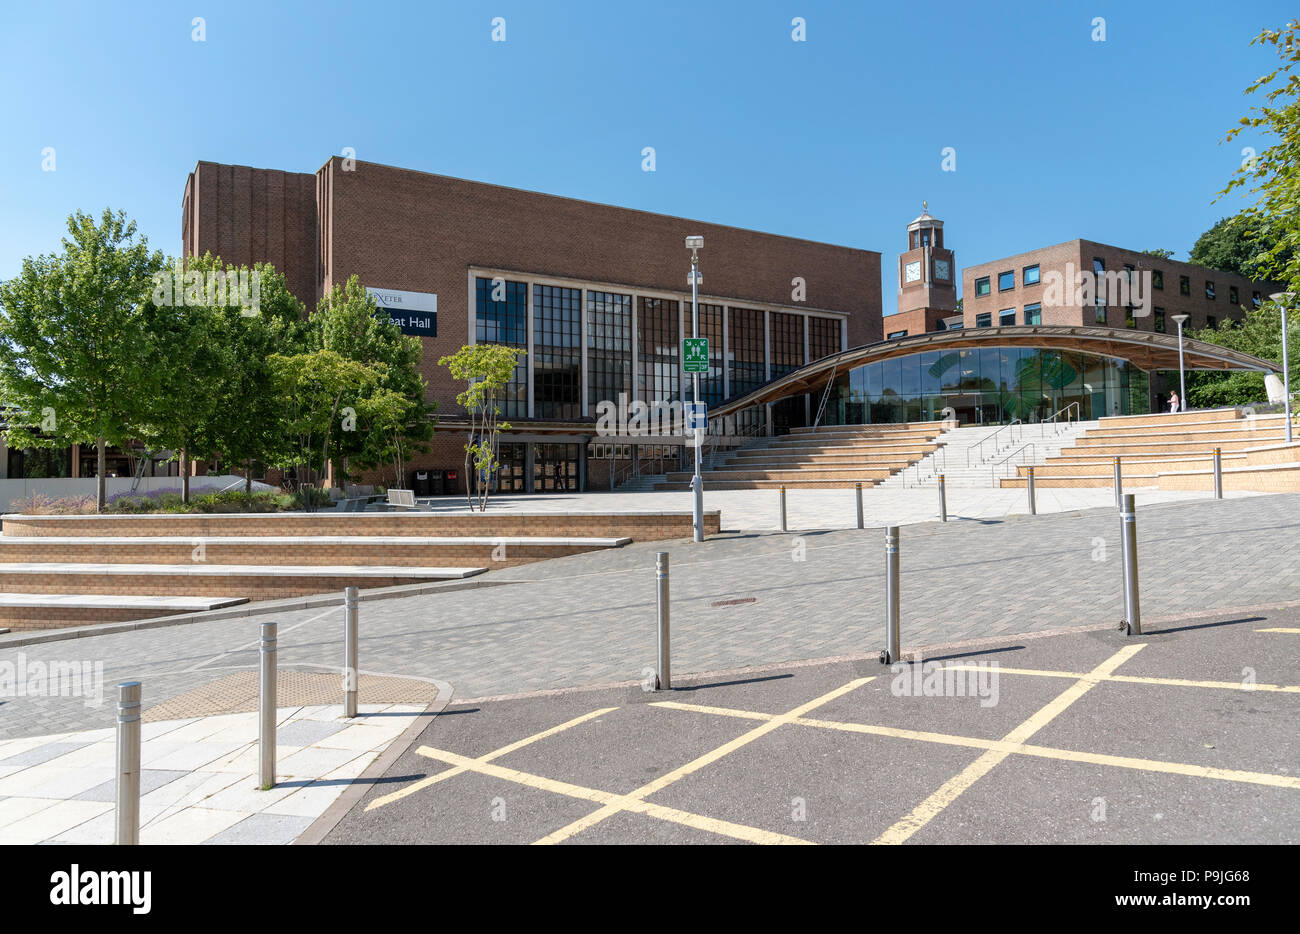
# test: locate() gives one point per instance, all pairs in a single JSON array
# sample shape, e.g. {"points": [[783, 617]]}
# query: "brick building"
{"points": [[597, 294]]}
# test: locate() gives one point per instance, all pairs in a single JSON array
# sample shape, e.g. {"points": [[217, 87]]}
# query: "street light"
{"points": [[1182, 377], [695, 244], [1282, 298]]}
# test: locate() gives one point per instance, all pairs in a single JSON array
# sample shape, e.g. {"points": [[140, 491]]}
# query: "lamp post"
{"points": [[1182, 377], [1282, 299], [695, 244]]}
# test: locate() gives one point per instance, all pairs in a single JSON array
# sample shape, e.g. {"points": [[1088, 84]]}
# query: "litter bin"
{"points": [[450, 482], [421, 483]]}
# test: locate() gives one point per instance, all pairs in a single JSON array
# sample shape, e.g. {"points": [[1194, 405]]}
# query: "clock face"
{"points": [[912, 272], [941, 270]]}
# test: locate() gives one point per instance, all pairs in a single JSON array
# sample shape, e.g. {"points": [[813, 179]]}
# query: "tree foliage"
{"points": [[76, 354], [487, 369]]}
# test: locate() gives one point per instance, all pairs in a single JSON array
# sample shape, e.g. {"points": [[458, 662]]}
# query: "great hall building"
{"points": [[599, 297]]}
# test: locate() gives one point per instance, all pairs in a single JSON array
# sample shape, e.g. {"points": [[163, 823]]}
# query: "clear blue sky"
{"points": [[838, 138]]}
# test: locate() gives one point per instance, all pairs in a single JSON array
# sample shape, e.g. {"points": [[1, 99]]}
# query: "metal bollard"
{"points": [[128, 763], [783, 528], [266, 708], [1128, 537], [943, 501], [892, 652], [1218, 473], [1119, 485], [858, 487], [1033, 499], [663, 678], [350, 652]]}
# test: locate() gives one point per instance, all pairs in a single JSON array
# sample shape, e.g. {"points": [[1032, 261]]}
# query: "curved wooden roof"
{"points": [[1146, 349]]}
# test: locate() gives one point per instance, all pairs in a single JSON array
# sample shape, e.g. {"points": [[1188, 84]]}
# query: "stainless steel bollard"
{"points": [[266, 708], [892, 652], [1119, 484], [783, 526], [663, 678], [943, 500], [1033, 498], [128, 763], [350, 636], [1218, 473], [1128, 538], [858, 486]]}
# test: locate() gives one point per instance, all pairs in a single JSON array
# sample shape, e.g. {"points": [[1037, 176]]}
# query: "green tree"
{"points": [[1160, 254], [1232, 245], [1260, 334], [487, 369], [1273, 176], [311, 388], [74, 348], [391, 418]]}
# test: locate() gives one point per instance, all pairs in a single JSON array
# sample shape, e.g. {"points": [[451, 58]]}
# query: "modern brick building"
{"points": [[1017, 290], [598, 296]]}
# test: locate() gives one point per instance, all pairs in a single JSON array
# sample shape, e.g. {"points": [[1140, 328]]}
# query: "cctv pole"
{"points": [[697, 481]]}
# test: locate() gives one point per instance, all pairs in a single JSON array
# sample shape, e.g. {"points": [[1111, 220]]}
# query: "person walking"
{"points": [[1173, 402]]}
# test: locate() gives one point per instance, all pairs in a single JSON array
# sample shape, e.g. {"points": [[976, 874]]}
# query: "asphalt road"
{"points": [[1045, 747]]}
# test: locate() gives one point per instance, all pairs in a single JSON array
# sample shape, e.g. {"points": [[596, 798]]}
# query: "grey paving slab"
{"points": [[41, 754], [589, 619], [150, 780], [262, 829], [306, 732]]}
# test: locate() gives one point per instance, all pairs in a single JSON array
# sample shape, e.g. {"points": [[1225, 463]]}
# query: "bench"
{"points": [[403, 499]]}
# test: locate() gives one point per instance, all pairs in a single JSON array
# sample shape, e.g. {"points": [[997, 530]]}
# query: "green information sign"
{"points": [[695, 354]]}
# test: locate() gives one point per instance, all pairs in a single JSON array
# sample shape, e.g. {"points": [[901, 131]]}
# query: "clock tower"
{"points": [[927, 273]]}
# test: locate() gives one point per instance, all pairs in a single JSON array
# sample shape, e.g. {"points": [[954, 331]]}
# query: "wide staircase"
{"points": [[58, 571], [978, 456], [817, 458], [1176, 452]]}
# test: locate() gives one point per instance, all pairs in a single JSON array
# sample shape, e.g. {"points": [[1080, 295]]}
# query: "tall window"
{"points": [[657, 350], [1157, 279], [1184, 285], [1209, 289], [1160, 319], [501, 317], [982, 285], [609, 347], [787, 343], [823, 337], [1232, 295], [745, 349], [1006, 317], [557, 354], [1034, 313], [984, 319], [710, 327], [1099, 279]]}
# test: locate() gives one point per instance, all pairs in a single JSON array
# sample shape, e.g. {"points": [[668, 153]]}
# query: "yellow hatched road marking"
{"points": [[625, 802], [950, 790], [699, 822], [1139, 679], [495, 754]]}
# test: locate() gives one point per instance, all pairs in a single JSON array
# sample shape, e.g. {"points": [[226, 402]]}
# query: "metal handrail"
{"points": [[993, 470], [980, 447], [1078, 416], [826, 394]]}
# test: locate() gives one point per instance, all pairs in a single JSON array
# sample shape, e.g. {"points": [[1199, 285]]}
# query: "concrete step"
{"points": [[783, 476], [60, 610], [275, 550], [838, 484], [256, 582]]}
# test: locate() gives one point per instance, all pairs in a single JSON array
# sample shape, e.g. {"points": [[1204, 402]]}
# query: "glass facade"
{"points": [[745, 344], [657, 324], [609, 347], [787, 343], [557, 352], [988, 385], [501, 317]]}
